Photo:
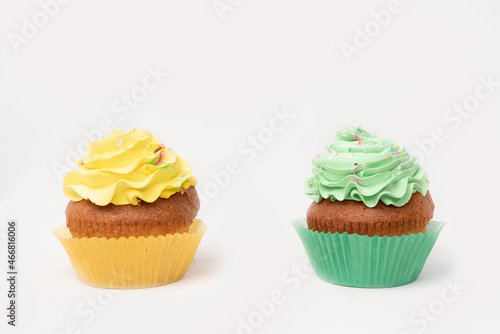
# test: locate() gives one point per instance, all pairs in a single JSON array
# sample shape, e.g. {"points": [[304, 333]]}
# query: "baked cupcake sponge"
{"points": [[383, 220], [161, 217]]}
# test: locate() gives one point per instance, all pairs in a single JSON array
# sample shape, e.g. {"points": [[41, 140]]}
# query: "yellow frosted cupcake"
{"points": [[130, 222]]}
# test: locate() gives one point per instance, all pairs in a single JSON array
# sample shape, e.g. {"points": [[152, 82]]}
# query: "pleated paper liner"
{"points": [[370, 262], [131, 263]]}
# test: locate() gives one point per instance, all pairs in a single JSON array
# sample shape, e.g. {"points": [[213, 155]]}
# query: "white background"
{"points": [[226, 78]]}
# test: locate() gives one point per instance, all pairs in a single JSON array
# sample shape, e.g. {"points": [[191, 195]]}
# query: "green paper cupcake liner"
{"points": [[369, 262]]}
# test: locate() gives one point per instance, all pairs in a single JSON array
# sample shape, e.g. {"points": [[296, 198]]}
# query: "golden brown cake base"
{"points": [[355, 217], [161, 217]]}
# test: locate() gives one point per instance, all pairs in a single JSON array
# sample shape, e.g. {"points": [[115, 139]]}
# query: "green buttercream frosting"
{"points": [[361, 167]]}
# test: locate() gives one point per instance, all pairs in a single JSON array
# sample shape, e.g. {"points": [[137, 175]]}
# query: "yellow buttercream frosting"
{"points": [[125, 167]]}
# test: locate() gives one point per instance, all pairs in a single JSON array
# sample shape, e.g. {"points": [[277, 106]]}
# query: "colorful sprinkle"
{"points": [[159, 150], [358, 139], [354, 169]]}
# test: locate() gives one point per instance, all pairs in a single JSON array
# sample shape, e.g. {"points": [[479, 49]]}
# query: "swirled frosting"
{"points": [[124, 167], [361, 167]]}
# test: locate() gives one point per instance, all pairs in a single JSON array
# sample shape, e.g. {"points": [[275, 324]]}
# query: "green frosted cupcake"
{"points": [[370, 221]]}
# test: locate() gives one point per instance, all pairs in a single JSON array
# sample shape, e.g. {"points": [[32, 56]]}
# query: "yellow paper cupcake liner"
{"points": [[131, 263]]}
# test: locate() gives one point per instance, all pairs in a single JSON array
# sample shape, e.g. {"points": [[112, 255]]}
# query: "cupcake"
{"points": [[130, 221], [370, 222]]}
